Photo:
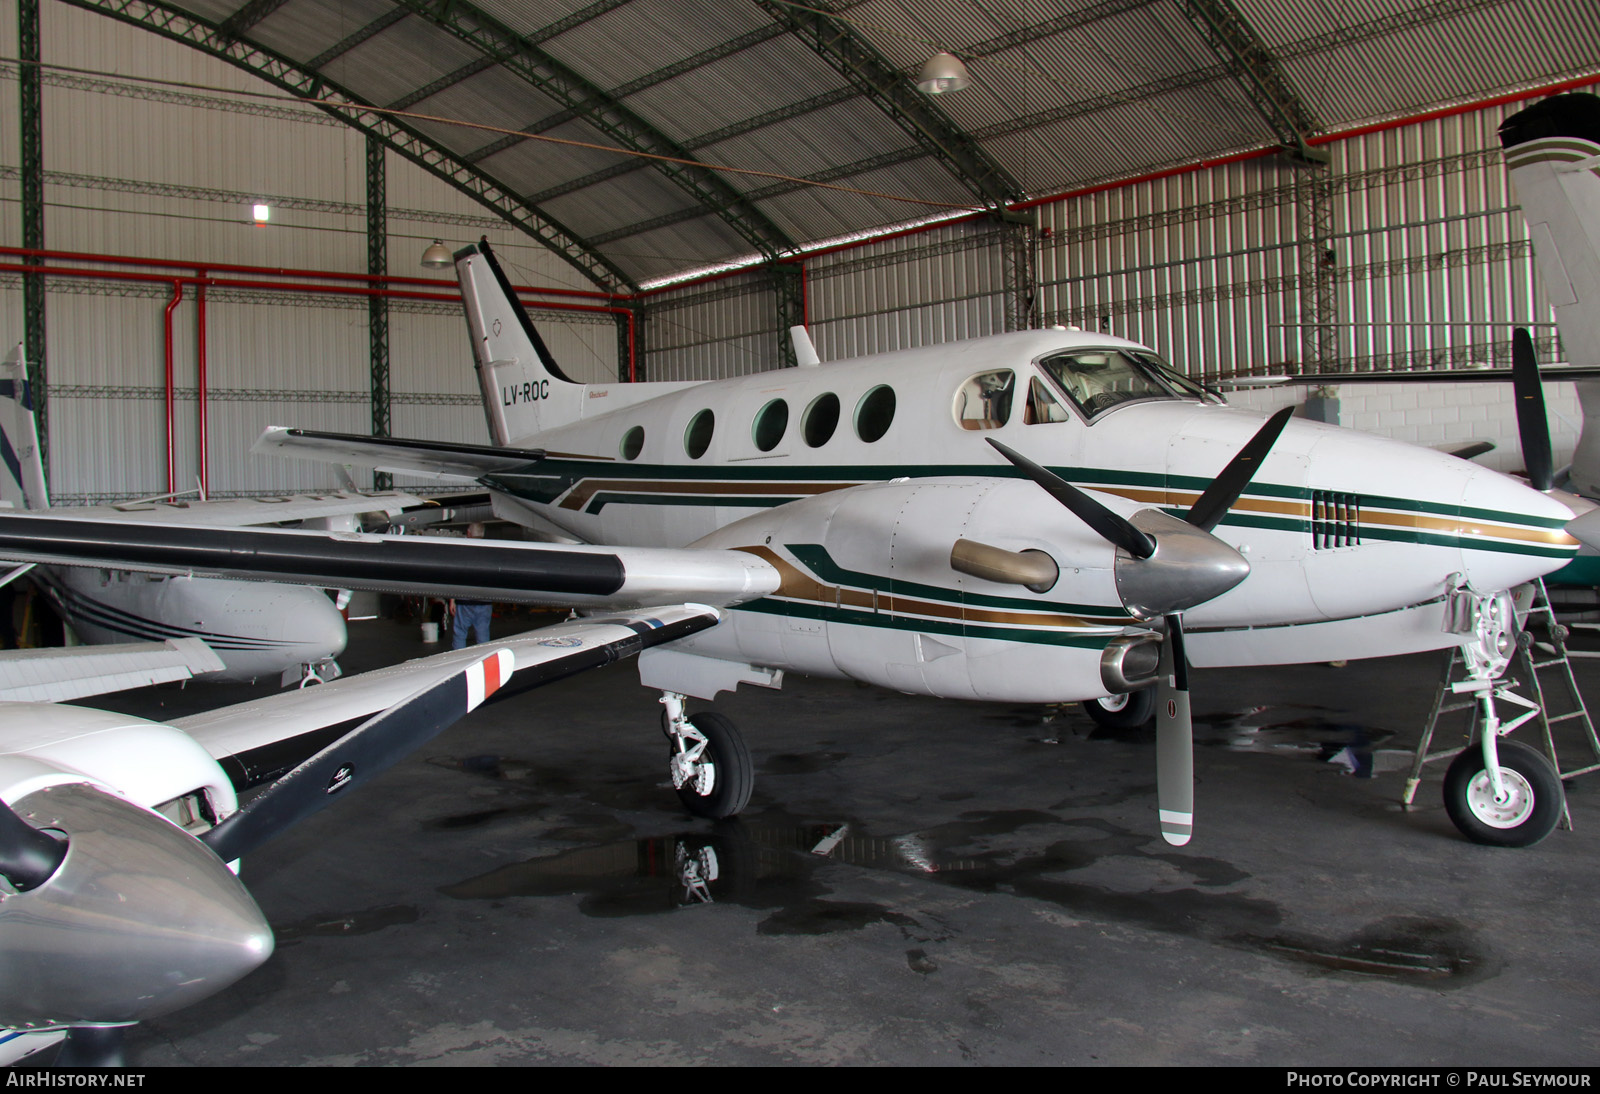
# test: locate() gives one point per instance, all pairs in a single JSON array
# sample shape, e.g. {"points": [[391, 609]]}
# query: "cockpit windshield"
{"points": [[1097, 380]]}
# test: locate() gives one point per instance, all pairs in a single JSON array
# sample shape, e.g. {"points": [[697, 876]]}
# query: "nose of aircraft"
{"points": [[1495, 530], [307, 621]]}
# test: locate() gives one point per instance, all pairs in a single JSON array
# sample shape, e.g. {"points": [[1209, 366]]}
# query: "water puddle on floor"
{"points": [[1086, 867]]}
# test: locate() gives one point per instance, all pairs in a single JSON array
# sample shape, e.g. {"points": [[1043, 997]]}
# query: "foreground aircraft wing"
{"points": [[258, 740], [435, 459], [561, 575], [61, 675]]}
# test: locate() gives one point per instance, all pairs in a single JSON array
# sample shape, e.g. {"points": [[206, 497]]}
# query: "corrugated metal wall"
{"points": [[155, 171], [1420, 242]]}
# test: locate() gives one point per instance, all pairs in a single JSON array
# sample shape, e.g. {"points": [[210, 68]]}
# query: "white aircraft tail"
{"points": [[1553, 154], [22, 484], [524, 391]]}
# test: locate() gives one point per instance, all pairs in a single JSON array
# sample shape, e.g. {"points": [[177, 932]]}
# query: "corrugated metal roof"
{"points": [[1065, 93]]}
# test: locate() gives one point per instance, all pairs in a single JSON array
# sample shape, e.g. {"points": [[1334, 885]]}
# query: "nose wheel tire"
{"points": [[1529, 809], [1126, 711], [714, 781]]}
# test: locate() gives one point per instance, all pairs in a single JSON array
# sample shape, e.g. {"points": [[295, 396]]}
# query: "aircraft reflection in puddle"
{"points": [[734, 861]]}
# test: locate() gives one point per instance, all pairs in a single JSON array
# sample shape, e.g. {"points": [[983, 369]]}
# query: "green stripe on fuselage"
{"points": [[884, 621], [564, 475]]}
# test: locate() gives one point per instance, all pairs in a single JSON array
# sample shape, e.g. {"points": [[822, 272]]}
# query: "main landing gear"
{"points": [[711, 769], [1129, 710]]}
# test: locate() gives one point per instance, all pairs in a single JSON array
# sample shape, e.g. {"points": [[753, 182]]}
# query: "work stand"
{"points": [[1555, 700]]}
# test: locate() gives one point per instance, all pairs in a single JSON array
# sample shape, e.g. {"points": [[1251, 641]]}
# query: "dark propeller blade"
{"points": [[1174, 740], [1213, 505], [372, 747], [27, 856], [1533, 427], [1110, 527]]}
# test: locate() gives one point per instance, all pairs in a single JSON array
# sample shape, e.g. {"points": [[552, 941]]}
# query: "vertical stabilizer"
{"points": [[524, 391], [23, 481], [1553, 153]]}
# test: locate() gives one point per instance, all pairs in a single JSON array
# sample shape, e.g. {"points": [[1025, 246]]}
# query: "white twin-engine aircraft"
{"points": [[257, 630], [1034, 517]]}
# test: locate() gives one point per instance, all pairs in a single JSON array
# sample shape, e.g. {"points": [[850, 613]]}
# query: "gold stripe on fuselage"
{"points": [[1466, 527], [796, 584]]}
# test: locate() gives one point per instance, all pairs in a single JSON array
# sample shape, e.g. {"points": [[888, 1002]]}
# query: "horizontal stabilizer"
{"points": [[74, 672], [577, 575], [1549, 373], [244, 512], [435, 459]]}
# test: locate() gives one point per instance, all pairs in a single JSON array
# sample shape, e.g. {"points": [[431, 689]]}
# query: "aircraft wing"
{"points": [[436, 459], [61, 675], [258, 740], [236, 512], [1553, 372], [562, 575]]}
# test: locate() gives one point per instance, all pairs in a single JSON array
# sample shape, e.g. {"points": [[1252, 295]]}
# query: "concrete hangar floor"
{"points": [[915, 882]]}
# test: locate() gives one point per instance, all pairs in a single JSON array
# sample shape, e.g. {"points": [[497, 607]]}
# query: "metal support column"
{"points": [[1017, 277], [31, 129], [1313, 205], [789, 299], [625, 345], [378, 306]]}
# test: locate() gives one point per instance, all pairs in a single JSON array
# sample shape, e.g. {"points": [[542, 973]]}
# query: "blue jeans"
{"points": [[470, 617]]}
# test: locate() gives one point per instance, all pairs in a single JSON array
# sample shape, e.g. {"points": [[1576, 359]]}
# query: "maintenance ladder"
{"points": [[1530, 662]]}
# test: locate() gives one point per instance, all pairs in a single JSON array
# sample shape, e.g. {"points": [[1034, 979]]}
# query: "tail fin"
{"points": [[524, 391], [1553, 153], [23, 480]]}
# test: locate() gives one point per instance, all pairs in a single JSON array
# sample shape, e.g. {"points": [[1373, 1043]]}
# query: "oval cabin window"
{"points": [[697, 438], [822, 418], [875, 413], [772, 421], [633, 443], [984, 401]]}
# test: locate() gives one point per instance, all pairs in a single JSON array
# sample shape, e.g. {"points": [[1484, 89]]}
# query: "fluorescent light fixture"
{"points": [[261, 212]]}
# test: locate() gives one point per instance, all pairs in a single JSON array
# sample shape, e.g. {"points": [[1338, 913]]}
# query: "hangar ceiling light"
{"points": [[942, 72]]}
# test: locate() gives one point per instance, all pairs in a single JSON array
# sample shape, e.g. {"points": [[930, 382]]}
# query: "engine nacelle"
{"points": [[869, 593]]}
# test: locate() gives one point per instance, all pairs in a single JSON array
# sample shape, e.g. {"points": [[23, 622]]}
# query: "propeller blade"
{"points": [[370, 748], [28, 857], [1174, 740], [1209, 509], [1110, 527], [1533, 426]]}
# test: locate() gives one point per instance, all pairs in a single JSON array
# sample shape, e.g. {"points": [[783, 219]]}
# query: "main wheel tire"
{"points": [[1533, 804], [734, 776], [1128, 711]]}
